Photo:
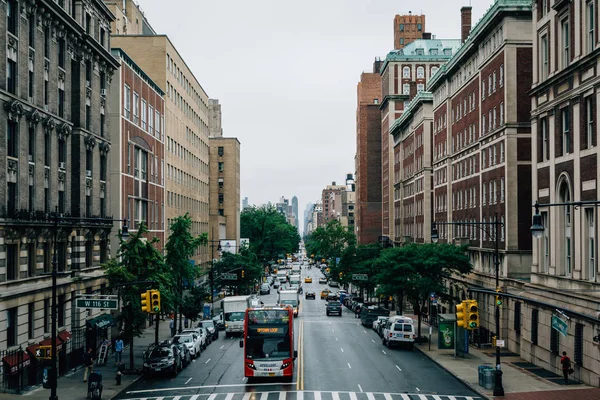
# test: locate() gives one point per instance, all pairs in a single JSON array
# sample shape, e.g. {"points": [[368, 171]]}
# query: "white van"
{"points": [[399, 330]]}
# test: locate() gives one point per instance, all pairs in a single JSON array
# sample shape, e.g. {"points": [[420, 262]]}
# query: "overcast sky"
{"points": [[285, 73]]}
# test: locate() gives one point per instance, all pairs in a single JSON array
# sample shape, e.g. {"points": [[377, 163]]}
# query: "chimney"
{"points": [[465, 23]]}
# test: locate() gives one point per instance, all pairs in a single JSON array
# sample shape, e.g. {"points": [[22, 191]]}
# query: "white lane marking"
{"points": [[418, 390], [207, 361], [451, 398], [383, 351], [176, 398], [370, 396], [299, 395], [264, 396], [353, 395], [188, 381], [247, 396], [335, 396], [212, 396], [316, 394], [220, 348], [387, 396], [336, 339], [195, 397], [349, 366], [405, 396], [398, 368], [365, 331], [372, 341], [342, 349], [436, 397], [229, 396], [281, 396], [422, 397], [333, 330]]}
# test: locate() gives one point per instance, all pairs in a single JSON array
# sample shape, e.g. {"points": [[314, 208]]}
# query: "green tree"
{"points": [[230, 263], [269, 232], [180, 249], [192, 306], [416, 270], [330, 241], [138, 260]]}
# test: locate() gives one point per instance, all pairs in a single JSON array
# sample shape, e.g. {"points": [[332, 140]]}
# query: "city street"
{"points": [[338, 359]]}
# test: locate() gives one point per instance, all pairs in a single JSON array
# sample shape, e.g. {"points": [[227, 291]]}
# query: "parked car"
{"points": [[191, 341], [186, 356], [323, 281], [209, 324], [333, 297], [334, 307], [310, 295], [164, 358]]}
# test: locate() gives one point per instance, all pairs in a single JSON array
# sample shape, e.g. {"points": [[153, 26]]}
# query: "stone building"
{"points": [[564, 112], [55, 81]]}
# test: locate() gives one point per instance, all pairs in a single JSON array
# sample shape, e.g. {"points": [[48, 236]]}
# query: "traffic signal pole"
{"points": [[157, 318], [498, 388]]}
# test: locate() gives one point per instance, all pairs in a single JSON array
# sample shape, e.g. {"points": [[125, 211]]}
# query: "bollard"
{"points": [[118, 378]]}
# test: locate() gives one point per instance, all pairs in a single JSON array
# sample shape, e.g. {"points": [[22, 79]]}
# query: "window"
{"points": [[60, 310], [502, 190], [12, 16], [420, 72], [420, 87], [47, 315], [221, 198], [501, 81], [545, 143], [501, 151], [406, 88], [151, 119], [483, 123], [221, 166], [11, 76], [89, 253], [590, 26], [158, 122], [517, 318], [102, 36], [591, 243], [127, 99], [220, 151], [565, 36], [494, 82], [47, 42], [102, 123], [103, 167], [589, 124], [144, 114], [61, 53], [566, 137], [88, 24], [554, 341], [406, 72], [31, 194], [578, 350], [501, 113], [136, 107], [61, 103], [502, 228], [544, 65], [47, 149], [401, 27], [434, 70], [534, 326], [30, 320], [419, 27], [12, 139], [32, 28], [88, 72], [489, 85], [544, 7], [11, 316], [30, 85], [46, 94], [483, 194], [88, 117]]}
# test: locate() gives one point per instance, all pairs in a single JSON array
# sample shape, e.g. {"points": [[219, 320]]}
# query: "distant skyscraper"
{"points": [[295, 209], [245, 203]]}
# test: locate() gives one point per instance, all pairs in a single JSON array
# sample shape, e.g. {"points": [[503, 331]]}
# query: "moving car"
{"points": [[333, 297], [334, 284], [164, 358], [323, 281], [399, 330], [308, 279], [334, 307], [265, 288], [324, 294], [310, 295]]}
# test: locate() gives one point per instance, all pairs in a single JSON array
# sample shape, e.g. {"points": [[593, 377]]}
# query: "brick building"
{"points": [[55, 80], [333, 202], [138, 156], [368, 157], [481, 155], [404, 73], [564, 102], [408, 28]]}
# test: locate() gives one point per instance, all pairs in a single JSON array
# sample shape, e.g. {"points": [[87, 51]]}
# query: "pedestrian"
{"points": [[118, 350], [566, 366], [88, 362], [357, 312], [172, 326]]}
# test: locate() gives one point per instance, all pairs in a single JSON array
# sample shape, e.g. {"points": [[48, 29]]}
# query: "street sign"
{"points": [[360, 277], [229, 277], [92, 302], [500, 342], [560, 325]]}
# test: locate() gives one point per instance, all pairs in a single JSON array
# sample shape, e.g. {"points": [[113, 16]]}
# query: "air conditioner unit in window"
{"points": [[88, 173], [103, 92], [45, 107], [62, 165]]}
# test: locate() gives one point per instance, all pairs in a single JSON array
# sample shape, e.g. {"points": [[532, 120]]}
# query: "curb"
{"points": [[118, 393], [458, 378]]}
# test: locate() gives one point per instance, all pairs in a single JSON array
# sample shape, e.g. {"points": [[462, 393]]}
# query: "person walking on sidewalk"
{"points": [[566, 366], [118, 350], [172, 326], [88, 362]]}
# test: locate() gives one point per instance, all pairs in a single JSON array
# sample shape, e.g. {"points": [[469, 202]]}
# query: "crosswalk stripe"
{"points": [[451, 398], [212, 396], [353, 396], [317, 395], [195, 397], [299, 395], [263, 396], [282, 395], [247, 396], [405, 396], [387, 396], [335, 395], [177, 398], [422, 397], [370, 396], [229, 396], [436, 397]]}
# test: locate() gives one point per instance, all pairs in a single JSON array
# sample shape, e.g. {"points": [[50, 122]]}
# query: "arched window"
{"points": [[420, 72], [565, 228], [406, 72], [434, 70]]}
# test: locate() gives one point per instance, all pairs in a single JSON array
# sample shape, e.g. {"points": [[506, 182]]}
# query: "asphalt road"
{"points": [[338, 359]]}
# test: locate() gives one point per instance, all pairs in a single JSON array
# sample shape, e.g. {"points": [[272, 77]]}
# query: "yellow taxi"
{"points": [[324, 294], [308, 279]]}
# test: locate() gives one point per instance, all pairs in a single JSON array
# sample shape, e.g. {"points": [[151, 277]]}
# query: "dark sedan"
{"points": [[163, 359], [310, 296], [334, 307]]}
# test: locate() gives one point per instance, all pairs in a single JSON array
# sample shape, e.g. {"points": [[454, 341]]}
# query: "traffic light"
{"points": [[145, 297], [498, 297], [341, 275], [461, 315], [473, 314], [242, 274], [155, 299]]}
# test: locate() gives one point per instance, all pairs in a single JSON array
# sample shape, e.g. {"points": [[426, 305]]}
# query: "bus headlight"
{"points": [[285, 365], [250, 365]]}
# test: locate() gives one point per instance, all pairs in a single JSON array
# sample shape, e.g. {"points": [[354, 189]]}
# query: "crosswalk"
{"points": [[308, 395]]}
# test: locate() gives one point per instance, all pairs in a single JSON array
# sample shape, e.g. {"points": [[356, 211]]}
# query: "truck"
{"points": [[289, 298], [282, 276], [234, 308], [295, 280]]}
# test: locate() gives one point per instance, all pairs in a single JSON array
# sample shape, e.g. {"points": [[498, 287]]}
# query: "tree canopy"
{"points": [[330, 241], [234, 264], [269, 232]]}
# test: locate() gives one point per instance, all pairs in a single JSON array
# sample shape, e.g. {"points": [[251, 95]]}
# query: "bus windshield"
{"points": [[268, 347]]}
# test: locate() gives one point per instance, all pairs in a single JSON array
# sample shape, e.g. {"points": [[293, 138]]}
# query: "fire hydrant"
{"points": [[118, 378]]}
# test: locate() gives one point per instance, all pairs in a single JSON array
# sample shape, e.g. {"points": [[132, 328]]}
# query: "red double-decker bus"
{"points": [[268, 342]]}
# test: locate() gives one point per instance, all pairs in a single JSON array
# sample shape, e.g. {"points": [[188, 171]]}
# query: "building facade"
{"points": [[295, 210], [138, 154], [54, 90], [185, 127], [408, 28], [333, 203], [368, 157], [564, 103], [404, 73]]}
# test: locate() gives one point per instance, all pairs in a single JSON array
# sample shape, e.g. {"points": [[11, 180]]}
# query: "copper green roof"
{"points": [[496, 9], [424, 50], [418, 100]]}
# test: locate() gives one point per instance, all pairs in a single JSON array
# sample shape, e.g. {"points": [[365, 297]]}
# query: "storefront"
{"points": [[98, 329]]}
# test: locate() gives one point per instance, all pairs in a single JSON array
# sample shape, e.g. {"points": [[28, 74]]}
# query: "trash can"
{"points": [[46, 377], [489, 378], [481, 375]]}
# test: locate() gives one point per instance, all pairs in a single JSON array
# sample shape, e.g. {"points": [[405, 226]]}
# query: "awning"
{"points": [[12, 360], [101, 321], [48, 342], [64, 336], [32, 349]]}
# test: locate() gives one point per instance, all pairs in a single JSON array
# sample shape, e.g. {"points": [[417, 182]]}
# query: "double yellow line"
{"points": [[300, 374]]}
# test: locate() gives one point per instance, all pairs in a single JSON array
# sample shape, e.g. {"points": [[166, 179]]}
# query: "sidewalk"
{"points": [[518, 383], [71, 385]]}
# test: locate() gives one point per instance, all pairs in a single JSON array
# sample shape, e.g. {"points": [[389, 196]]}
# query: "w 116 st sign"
{"points": [[97, 302]]}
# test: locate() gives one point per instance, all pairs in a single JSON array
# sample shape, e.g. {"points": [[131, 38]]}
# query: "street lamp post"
{"points": [[537, 226], [56, 218], [498, 388]]}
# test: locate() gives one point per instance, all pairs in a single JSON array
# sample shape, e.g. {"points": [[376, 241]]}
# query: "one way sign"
{"points": [[44, 352]]}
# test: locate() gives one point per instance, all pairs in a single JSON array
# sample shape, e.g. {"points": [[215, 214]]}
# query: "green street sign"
{"points": [[360, 277], [560, 325], [229, 277], [85, 302]]}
